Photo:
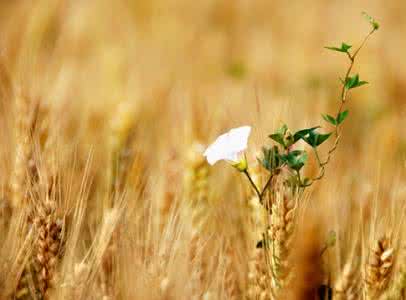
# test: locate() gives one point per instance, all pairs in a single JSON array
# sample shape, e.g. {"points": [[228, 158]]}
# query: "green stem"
{"points": [[299, 178], [324, 249], [317, 157], [259, 194], [266, 186], [343, 99]]}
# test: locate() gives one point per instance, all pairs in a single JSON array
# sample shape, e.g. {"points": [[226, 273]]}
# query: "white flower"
{"points": [[229, 146]]}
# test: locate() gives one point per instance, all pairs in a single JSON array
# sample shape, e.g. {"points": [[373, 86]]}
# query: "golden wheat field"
{"points": [[121, 176]]}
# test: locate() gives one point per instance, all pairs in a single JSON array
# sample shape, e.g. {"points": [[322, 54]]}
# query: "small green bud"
{"points": [[289, 139], [372, 21], [331, 238], [306, 181], [242, 165]]}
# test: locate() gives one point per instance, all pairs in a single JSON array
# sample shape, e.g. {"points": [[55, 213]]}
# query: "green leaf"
{"points": [[277, 137], [341, 117], [271, 158], [315, 139], [362, 83], [303, 133], [300, 161], [330, 119], [282, 130], [353, 82], [265, 161], [344, 48], [295, 159], [372, 21], [335, 49]]}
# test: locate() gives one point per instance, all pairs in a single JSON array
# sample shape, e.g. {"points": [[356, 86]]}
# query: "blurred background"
{"points": [[137, 89], [189, 70]]}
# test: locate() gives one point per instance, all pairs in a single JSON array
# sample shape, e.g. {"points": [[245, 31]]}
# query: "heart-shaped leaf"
{"points": [[330, 119], [315, 139], [344, 48], [295, 159], [303, 133], [342, 116]]}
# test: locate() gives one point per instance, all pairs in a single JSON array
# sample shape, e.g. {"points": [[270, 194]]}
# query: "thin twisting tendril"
{"points": [[344, 93]]}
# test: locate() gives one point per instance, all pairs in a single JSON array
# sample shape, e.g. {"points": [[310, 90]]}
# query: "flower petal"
{"points": [[228, 146]]}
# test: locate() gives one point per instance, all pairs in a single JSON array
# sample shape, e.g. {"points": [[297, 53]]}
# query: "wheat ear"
{"points": [[231, 282], [281, 234], [379, 268], [121, 138], [122, 130], [48, 246], [196, 193], [78, 281], [259, 277], [167, 203], [257, 214], [26, 288], [26, 114], [398, 289], [347, 285]]}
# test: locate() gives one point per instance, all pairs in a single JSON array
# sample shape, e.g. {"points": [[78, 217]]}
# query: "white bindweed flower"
{"points": [[230, 147]]}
